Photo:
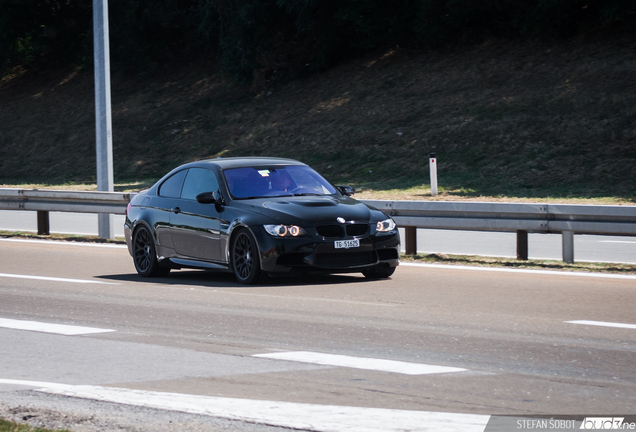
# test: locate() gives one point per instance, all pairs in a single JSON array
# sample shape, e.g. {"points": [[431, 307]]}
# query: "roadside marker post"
{"points": [[432, 163]]}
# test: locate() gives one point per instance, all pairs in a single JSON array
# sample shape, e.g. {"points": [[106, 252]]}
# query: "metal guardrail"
{"points": [[474, 216], [521, 218], [64, 201], [543, 218], [44, 201]]}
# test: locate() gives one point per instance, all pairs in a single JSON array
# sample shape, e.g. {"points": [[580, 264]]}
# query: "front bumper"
{"points": [[314, 252]]}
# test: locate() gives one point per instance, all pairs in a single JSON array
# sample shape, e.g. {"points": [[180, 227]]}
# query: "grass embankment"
{"points": [[507, 120]]}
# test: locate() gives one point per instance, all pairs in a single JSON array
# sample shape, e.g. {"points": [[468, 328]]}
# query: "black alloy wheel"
{"points": [[145, 256], [245, 262]]}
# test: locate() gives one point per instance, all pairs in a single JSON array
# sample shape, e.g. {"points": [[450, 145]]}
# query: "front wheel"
{"points": [[379, 272], [245, 262], [145, 256]]}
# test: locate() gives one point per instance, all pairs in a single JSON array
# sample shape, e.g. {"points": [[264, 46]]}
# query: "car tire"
{"points": [[379, 272], [145, 255], [245, 262]]}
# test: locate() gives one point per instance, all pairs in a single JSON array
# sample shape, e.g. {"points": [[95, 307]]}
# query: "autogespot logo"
{"points": [[607, 423]]}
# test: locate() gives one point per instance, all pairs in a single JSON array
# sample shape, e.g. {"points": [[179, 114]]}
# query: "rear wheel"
{"points": [[245, 262], [379, 272], [145, 255]]}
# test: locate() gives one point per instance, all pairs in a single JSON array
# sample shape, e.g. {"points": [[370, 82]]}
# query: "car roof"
{"points": [[242, 162]]}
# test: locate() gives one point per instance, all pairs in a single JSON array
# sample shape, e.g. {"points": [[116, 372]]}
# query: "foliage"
{"points": [[144, 33], [267, 40], [32, 29]]}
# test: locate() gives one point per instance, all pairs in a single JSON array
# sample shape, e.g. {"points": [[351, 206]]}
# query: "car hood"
{"points": [[315, 209]]}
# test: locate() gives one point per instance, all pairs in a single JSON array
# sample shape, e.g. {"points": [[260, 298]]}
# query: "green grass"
{"points": [[7, 426]]}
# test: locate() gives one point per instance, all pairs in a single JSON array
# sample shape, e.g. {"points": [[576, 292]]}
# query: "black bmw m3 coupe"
{"points": [[257, 217]]}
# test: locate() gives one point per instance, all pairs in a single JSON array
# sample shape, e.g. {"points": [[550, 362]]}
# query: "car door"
{"points": [[195, 227], [162, 204]]}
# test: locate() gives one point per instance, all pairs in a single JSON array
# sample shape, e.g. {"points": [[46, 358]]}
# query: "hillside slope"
{"points": [[522, 119]]}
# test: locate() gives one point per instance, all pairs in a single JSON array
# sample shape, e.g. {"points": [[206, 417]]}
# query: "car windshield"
{"points": [[292, 180]]}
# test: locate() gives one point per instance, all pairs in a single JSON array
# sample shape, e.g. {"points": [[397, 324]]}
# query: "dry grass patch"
{"points": [[7, 426], [510, 263]]}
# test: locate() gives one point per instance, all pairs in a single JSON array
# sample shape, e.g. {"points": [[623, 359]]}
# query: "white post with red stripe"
{"points": [[432, 163]]}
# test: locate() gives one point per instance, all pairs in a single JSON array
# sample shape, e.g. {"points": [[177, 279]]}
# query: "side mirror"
{"points": [[210, 198], [346, 190]]}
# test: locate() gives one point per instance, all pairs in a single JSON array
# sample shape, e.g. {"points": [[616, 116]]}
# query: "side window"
{"points": [[171, 188], [197, 181]]}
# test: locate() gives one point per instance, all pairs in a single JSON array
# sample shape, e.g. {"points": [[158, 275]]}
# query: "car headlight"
{"points": [[284, 230], [385, 225]]}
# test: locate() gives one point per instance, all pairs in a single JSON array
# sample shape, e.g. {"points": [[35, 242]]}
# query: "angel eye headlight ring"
{"points": [[386, 225], [284, 230]]}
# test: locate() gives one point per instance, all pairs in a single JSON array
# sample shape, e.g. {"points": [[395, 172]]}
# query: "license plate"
{"points": [[347, 244]]}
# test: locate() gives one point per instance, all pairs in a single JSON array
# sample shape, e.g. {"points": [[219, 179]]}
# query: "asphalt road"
{"points": [[431, 349], [540, 246]]}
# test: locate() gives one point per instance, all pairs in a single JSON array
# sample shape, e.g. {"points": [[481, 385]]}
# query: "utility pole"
{"points": [[103, 121]]}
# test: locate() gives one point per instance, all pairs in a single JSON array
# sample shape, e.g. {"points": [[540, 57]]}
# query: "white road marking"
{"points": [[604, 324], [56, 279], [63, 329], [497, 269], [65, 243], [617, 241], [322, 418], [361, 363]]}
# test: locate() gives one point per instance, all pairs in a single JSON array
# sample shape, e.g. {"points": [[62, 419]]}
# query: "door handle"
{"points": [[176, 210]]}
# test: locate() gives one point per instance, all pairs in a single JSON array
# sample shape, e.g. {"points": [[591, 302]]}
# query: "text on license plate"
{"points": [[346, 244]]}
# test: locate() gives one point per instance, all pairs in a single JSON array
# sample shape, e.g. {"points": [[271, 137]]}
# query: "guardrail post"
{"points": [[105, 228], [43, 223], [568, 246], [410, 240], [522, 245]]}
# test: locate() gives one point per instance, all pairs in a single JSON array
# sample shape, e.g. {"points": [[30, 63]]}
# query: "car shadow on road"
{"points": [[227, 280]]}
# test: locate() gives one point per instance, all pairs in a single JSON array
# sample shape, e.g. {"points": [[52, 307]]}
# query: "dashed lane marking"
{"points": [[361, 363], [62, 329], [56, 279], [322, 418], [604, 324]]}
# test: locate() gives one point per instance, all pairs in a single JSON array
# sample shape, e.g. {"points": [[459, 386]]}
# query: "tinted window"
{"points": [[279, 181], [197, 181], [171, 188]]}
